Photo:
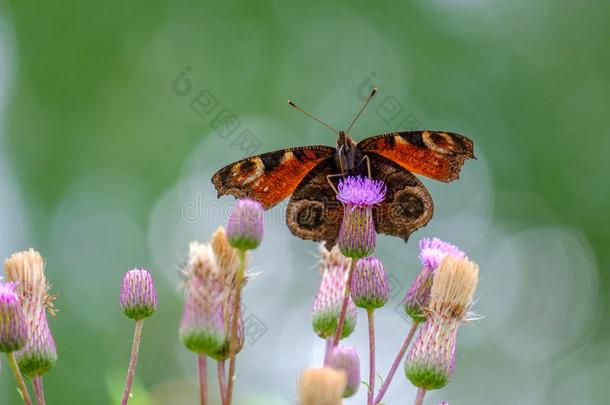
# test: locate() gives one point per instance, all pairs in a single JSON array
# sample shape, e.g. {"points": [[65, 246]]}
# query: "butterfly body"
{"points": [[309, 175]]}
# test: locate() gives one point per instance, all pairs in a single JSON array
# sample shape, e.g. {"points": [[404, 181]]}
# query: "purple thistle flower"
{"points": [[346, 359], [327, 306], [370, 286], [357, 234], [138, 294], [431, 360], [245, 226], [202, 326], [13, 325], [432, 251]]}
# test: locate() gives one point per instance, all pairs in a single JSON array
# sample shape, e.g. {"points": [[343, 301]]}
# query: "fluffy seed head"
{"points": [[432, 252], [13, 324], [138, 294], [453, 286], [327, 306], [344, 358], [227, 257], [370, 285], [431, 359], [202, 261], [322, 386], [26, 269], [245, 226]]}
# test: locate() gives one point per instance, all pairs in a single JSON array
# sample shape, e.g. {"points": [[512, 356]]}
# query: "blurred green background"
{"points": [[106, 154]]}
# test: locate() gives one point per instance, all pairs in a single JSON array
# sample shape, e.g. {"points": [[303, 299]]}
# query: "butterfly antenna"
{"points": [[373, 92], [290, 103]]}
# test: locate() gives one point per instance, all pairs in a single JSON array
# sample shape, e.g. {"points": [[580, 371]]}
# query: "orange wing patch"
{"points": [[271, 177], [438, 155]]}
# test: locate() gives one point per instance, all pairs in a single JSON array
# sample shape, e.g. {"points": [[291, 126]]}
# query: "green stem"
{"points": [[202, 364], [419, 398], [38, 390], [342, 314], [239, 279], [222, 380], [133, 361], [371, 318], [399, 356], [20, 382]]}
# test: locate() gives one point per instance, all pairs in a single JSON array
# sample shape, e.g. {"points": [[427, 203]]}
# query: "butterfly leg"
{"points": [[330, 176], [341, 159], [368, 165]]}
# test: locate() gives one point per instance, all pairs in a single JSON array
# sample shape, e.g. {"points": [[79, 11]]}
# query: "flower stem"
{"points": [[327, 349], [341, 321], [419, 399], [133, 361], [371, 318], [239, 279], [38, 390], [20, 382], [202, 364], [396, 362], [222, 380]]}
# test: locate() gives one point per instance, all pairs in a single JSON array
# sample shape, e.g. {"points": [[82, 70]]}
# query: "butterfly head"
{"points": [[348, 155]]}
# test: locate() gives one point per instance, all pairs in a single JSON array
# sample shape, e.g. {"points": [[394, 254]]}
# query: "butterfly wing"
{"points": [[438, 155], [313, 212], [407, 205], [271, 177]]}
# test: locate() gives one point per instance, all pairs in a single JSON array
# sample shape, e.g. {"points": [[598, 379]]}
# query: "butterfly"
{"points": [[309, 175]]}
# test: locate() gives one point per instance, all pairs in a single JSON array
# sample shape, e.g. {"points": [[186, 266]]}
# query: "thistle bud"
{"points": [[327, 307], [202, 328], [39, 354], [431, 360], [245, 226], [138, 294], [346, 359], [321, 386], [370, 285], [357, 234], [13, 326], [432, 252]]}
